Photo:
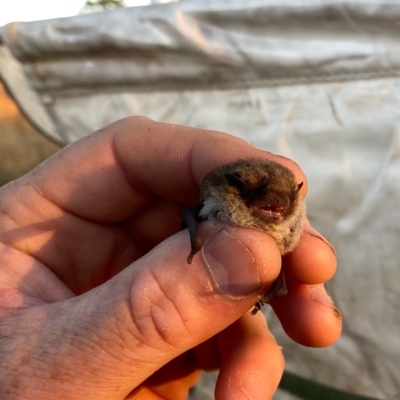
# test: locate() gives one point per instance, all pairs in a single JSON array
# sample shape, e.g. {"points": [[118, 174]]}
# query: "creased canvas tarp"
{"points": [[318, 81]]}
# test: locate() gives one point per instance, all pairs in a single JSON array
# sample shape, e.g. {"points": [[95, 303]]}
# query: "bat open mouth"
{"points": [[271, 208], [273, 211]]}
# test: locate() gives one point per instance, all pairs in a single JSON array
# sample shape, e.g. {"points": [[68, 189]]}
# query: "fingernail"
{"points": [[231, 265], [320, 296], [286, 158], [255, 388]]}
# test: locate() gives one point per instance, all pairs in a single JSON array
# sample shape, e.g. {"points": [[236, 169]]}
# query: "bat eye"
{"points": [[236, 181]]}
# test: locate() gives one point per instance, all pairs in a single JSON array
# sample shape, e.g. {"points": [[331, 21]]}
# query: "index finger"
{"points": [[169, 159], [114, 173]]}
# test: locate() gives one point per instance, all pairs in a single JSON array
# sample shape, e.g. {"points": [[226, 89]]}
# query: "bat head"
{"points": [[258, 194], [269, 196]]}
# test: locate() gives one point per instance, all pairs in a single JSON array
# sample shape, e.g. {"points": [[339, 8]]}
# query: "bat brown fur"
{"points": [[251, 193]]}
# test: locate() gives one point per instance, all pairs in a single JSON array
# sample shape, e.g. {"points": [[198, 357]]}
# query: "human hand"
{"points": [[97, 300]]}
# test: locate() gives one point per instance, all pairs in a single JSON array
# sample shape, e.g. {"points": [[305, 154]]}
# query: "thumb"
{"points": [[115, 336]]}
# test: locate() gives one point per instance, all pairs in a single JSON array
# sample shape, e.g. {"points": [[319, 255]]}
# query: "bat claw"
{"points": [[279, 290], [257, 308], [189, 219]]}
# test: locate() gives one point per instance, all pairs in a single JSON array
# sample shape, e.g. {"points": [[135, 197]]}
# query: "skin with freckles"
{"points": [[96, 297]]}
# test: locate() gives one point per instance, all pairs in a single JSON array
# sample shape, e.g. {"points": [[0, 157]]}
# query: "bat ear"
{"points": [[299, 186], [235, 181]]}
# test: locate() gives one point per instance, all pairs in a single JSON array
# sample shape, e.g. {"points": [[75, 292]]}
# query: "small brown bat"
{"points": [[251, 193]]}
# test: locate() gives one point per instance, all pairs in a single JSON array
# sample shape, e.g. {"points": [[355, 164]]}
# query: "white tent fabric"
{"points": [[315, 80]]}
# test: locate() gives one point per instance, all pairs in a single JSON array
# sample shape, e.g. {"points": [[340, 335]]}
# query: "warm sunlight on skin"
{"points": [[28, 10], [97, 300]]}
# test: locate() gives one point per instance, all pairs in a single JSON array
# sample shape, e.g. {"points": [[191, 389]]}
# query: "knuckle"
{"points": [[159, 313]]}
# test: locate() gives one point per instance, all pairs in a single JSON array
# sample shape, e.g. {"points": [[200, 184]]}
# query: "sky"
{"points": [[34, 10]]}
